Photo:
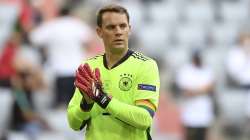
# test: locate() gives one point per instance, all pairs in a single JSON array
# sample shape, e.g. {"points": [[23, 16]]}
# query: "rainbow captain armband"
{"points": [[146, 104]]}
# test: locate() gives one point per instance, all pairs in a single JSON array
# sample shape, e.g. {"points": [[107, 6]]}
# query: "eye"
{"points": [[123, 26], [110, 27]]}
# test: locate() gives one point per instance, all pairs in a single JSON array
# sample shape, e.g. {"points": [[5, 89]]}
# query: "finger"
{"points": [[97, 74], [84, 70], [83, 80], [98, 77], [88, 70], [95, 89], [81, 71], [85, 90], [80, 86], [86, 75]]}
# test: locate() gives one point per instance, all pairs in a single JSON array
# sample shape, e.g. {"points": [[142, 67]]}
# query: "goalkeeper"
{"points": [[116, 93]]}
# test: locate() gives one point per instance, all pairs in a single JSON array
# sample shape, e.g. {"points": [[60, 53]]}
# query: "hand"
{"points": [[87, 98], [83, 82], [90, 83]]}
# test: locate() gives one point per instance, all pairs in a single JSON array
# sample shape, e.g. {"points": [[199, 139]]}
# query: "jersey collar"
{"points": [[124, 58]]}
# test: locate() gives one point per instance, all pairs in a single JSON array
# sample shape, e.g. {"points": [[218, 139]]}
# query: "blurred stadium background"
{"points": [[167, 30]]}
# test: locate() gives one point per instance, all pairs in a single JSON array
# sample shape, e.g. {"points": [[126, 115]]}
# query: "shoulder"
{"points": [[143, 59], [95, 59], [140, 56]]}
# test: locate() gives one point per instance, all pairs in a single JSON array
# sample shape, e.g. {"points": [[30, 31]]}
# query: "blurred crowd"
{"points": [[202, 48]]}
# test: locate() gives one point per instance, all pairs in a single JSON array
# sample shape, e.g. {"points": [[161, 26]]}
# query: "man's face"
{"points": [[114, 31]]}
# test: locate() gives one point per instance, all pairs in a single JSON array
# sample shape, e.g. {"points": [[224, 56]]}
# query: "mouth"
{"points": [[118, 41]]}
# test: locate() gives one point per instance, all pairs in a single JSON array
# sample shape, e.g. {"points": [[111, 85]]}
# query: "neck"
{"points": [[113, 58]]}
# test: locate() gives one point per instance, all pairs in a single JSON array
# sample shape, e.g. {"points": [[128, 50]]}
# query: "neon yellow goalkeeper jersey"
{"points": [[135, 77]]}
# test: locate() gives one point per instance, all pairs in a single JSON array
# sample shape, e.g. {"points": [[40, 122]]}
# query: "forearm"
{"points": [[76, 114], [132, 115]]}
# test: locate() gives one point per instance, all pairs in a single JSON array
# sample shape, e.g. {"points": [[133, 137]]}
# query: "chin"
{"points": [[118, 49]]}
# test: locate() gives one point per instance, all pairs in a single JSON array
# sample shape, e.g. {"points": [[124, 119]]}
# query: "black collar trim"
{"points": [[124, 58]]}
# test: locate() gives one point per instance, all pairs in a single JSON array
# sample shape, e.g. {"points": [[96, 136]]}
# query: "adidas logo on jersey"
{"points": [[140, 56]]}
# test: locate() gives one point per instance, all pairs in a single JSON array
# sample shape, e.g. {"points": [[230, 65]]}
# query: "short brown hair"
{"points": [[111, 8]]}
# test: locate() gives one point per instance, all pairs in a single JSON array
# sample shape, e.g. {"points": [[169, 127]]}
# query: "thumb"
{"points": [[97, 74]]}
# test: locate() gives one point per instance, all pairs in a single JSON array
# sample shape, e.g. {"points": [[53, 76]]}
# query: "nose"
{"points": [[118, 31]]}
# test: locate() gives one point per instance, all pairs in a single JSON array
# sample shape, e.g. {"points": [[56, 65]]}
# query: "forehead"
{"points": [[114, 18]]}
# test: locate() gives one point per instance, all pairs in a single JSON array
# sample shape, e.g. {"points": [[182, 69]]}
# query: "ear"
{"points": [[129, 32], [99, 31]]}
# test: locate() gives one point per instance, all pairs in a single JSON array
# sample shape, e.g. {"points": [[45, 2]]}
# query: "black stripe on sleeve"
{"points": [[150, 111], [84, 123]]}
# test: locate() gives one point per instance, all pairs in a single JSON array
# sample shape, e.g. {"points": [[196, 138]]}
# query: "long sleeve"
{"points": [[76, 116], [132, 115], [147, 88]]}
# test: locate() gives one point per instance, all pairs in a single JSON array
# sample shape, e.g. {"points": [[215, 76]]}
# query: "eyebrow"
{"points": [[111, 24]]}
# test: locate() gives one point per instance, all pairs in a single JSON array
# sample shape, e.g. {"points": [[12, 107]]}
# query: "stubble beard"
{"points": [[118, 49]]}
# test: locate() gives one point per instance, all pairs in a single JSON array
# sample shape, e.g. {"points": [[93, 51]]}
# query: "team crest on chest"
{"points": [[125, 82]]}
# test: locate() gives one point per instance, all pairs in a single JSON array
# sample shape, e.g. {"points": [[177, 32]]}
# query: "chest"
{"points": [[120, 84]]}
